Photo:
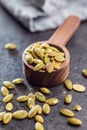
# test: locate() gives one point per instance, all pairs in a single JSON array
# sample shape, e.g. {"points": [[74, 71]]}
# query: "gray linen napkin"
{"points": [[40, 15]]}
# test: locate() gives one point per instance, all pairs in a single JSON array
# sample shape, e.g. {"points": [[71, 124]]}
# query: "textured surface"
{"points": [[11, 67]]}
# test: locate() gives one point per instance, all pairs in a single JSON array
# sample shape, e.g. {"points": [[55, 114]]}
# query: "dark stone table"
{"points": [[11, 68]]}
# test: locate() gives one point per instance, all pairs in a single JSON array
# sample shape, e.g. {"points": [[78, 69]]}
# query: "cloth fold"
{"points": [[40, 15]]}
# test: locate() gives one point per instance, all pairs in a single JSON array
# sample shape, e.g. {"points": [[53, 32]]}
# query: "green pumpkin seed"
{"points": [[49, 67], [2, 115], [53, 48], [18, 81], [8, 84], [45, 90], [53, 53], [52, 101], [30, 103], [39, 126], [39, 52], [45, 45], [31, 95], [37, 61], [7, 118], [84, 72], [59, 58], [46, 58], [68, 84], [9, 106], [22, 98], [66, 112], [79, 87], [38, 109], [46, 108], [68, 99], [77, 107], [8, 98], [40, 97], [4, 91], [38, 67], [39, 118], [29, 59], [32, 112], [74, 121], [20, 114], [10, 46]]}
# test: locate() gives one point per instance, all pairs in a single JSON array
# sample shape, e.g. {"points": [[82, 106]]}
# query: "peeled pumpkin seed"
{"points": [[4, 91], [77, 107], [53, 53], [46, 108], [66, 112], [74, 121], [9, 106], [39, 53], [8, 98], [52, 101], [37, 61], [79, 87], [46, 58], [45, 90], [68, 84], [39, 118], [53, 48], [31, 95], [40, 97], [57, 65], [7, 117], [68, 99], [8, 84], [38, 67], [18, 81], [60, 58], [32, 112], [39, 126], [49, 67], [29, 59], [45, 45], [10, 46], [20, 114], [38, 109], [30, 103], [22, 98], [2, 115], [84, 72]]}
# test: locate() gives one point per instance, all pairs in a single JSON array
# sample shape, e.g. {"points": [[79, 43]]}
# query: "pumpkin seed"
{"points": [[38, 109], [39, 126], [45, 90], [8, 98], [45, 45], [74, 121], [29, 59], [30, 103], [53, 53], [37, 61], [22, 98], [20, 114], [38, 67], [59, 58], [53, 48], [68, 99], [66, 112], [10, 46], [52, 101], [46, 108], [40, 97], [84, 72], [39, 118], [77, 107], [32, 112], [31, 95], [8, 84], [57, 65], [7, 117], [18, 81], [4, 91], [2, 115], [68, 84], [9, 106], [46, 58], [39, 53], [49, 67], [79, 87]]}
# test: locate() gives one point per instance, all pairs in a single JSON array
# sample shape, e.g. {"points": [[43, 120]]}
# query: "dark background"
{"points": [[11, 68]]}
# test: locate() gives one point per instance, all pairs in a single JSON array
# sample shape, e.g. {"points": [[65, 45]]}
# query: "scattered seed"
{"points": [[8, 84], [2, 115], [30, 103], [77, 107], [39, 118], [22, 98], [4, 91], [66, 112], [9, 106], [40, 97], [79, 87], [7, 117], [18, 81], [68, 84], [32, 112], [84, 72], [20, 114], [45, 90], [31, 95], [52, 101], [39, 126], [10, 46], [68, 99], [46, 108], [38, 109], [74, 121], [8, 98]]}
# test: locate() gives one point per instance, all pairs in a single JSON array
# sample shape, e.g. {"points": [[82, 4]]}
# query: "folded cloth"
{"points": [[40, 15]]}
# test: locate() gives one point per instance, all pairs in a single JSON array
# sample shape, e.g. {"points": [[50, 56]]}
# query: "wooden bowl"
{"points": [[59, 39]]}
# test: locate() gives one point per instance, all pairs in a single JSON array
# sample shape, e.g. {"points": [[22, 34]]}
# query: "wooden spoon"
{"points": [[59, 39]]}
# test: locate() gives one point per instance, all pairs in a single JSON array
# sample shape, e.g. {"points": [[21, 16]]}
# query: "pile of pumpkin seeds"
{"points": [[35, 110], [43, 56]]}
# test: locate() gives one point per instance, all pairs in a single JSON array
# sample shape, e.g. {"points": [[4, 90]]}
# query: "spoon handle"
{"points": [[62, 35]]}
